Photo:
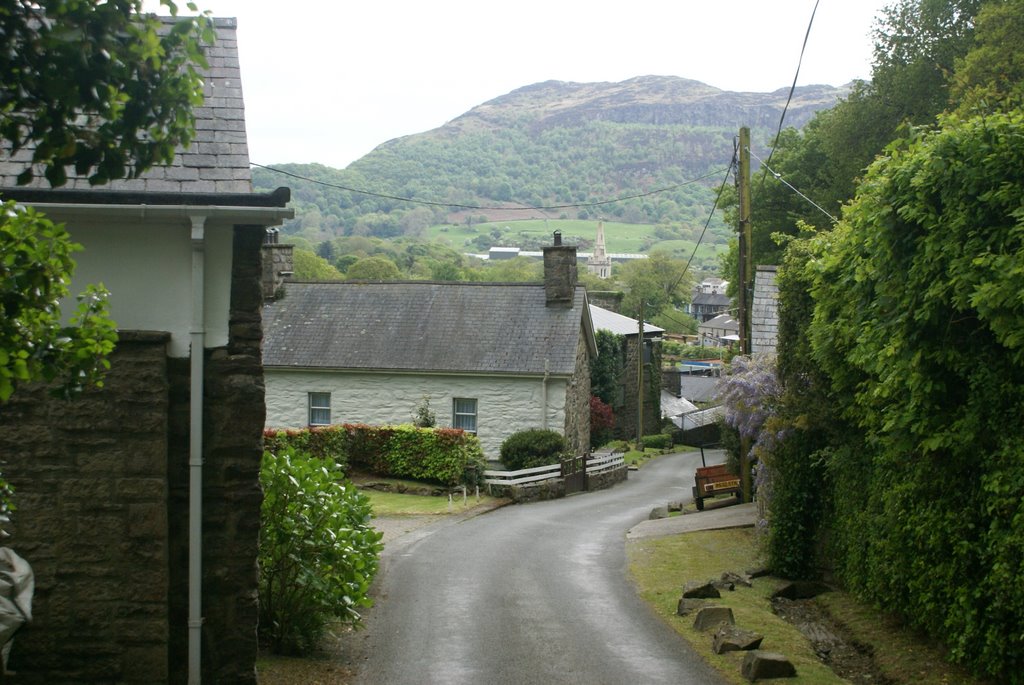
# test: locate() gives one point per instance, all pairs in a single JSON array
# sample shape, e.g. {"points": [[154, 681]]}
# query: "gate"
{"points": [[574, 473]]}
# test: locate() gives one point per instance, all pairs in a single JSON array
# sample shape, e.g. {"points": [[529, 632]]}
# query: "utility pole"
{"points": [[746, 261], [745, 274], [640, 383]]}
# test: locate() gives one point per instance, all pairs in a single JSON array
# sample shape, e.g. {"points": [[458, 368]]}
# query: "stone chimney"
{"points": [[278, 265], [559, 273]]}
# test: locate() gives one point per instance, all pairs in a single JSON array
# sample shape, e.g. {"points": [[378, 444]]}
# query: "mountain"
{"points": [[555, 145]]}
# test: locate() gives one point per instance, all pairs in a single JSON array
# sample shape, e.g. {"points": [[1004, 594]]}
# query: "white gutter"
{"points": [[264, 216], [195, 454]]}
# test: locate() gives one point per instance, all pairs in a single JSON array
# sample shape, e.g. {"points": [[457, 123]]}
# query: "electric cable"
{"points": [[525, 208], [792, 88], [778, 176]]}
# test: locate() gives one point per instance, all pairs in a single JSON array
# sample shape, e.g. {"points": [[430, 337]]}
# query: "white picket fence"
{"points": [[596, 463]]}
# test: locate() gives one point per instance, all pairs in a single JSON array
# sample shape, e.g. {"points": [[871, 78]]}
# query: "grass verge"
{"points": [[395, 504], [661, 566]]}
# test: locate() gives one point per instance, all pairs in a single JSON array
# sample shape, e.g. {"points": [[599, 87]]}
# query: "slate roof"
{"points": [[489, 328], [607, 320], [217, 160], [713, 299]]}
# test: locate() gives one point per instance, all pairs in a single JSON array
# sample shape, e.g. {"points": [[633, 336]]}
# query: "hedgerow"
{"points": [[444, 455], [906, 395]]}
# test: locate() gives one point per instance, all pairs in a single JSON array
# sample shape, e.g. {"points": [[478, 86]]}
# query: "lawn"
{"points": [[395, 504]]}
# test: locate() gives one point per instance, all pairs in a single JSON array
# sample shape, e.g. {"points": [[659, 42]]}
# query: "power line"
{"points": [[792, 88], [525, 208], [792, 187]]}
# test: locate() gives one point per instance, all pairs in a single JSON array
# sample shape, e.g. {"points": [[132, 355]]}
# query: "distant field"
{"points": [[619, 237]]}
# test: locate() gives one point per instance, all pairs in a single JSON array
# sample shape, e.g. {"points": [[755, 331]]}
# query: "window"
{"points": [[464, 414], [319, 409]]}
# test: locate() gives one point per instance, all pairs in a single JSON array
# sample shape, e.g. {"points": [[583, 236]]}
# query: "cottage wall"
{"points": [[504, 404], [577, 402]]}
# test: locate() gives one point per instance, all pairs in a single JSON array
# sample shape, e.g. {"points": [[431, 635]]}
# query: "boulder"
{"points": [[762, 665], [688, 606], [697, 590], [712, 617], [800, 589], [758, 572], [736, 579], [676, 506], [659, 513], [732, 639]]}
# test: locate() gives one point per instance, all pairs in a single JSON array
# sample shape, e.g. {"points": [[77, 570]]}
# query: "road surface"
{"points": [[528, 594]]}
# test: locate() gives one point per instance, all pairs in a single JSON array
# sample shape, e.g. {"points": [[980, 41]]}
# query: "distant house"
{"points": [[709, 299], [493, 358], [104, 482], [626, 404], [721, 330]]}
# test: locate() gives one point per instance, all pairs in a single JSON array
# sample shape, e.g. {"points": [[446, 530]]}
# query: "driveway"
{"points": [[533, 593]]}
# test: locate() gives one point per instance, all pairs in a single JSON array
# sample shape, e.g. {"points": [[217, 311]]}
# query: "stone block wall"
{"points": [[764, 314], [577, 402], [626, 414], [90, 479]]}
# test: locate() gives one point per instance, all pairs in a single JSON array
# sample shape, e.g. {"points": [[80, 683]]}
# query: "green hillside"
{"points": [[646, 155]]}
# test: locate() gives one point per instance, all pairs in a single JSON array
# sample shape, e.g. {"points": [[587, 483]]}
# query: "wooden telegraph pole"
{"points": [[745, 289]]}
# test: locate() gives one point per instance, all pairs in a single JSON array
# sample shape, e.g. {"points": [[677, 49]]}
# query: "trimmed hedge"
{"points": [[658, 441], [443, 455]]}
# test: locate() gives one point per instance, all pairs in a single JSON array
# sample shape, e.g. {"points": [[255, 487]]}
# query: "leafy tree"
{"points": [[374, 269], [309, 267], [98, 86], [606, 368], [992, 73], [657, 281], [35, 273], [516, 270]]}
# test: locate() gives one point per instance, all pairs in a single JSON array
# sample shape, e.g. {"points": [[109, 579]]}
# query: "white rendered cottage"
{"points": [[493, 358]]}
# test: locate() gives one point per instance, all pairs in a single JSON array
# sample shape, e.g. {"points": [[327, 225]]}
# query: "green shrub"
{"points": [[658, 441], [529, 448], [442, 455], [318, 553]]}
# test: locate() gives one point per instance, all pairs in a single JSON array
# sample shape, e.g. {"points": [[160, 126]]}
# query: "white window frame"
{"points": [[315, 403], [459, 418]]}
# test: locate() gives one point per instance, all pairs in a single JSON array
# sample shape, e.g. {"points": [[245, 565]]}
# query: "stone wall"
{"points": [[626, 415], [90, 479], [102, 494], [764, 313], [577, 402]]}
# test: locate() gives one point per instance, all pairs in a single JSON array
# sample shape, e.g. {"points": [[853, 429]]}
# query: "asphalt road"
{"points": [[529, 594]]}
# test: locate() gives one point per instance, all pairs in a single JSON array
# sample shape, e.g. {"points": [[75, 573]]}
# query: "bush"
{"points": [[529, 448], [318, 553], [602, 421], [659, 441], [442, 455]]}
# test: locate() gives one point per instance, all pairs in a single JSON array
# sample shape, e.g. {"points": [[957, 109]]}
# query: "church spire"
{"points": [[600, 263]]}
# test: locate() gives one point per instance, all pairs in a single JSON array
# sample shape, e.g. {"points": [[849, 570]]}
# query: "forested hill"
{"points": [[550, 144]]}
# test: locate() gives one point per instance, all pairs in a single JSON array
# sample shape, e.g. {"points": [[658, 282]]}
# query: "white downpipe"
{"points": [[544, 397], [195, 455]]}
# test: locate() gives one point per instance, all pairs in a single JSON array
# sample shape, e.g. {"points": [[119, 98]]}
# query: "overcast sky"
{"points": [[328, 80]]}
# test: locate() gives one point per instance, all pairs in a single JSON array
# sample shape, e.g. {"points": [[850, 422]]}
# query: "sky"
{"points": [[328, 80]]}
